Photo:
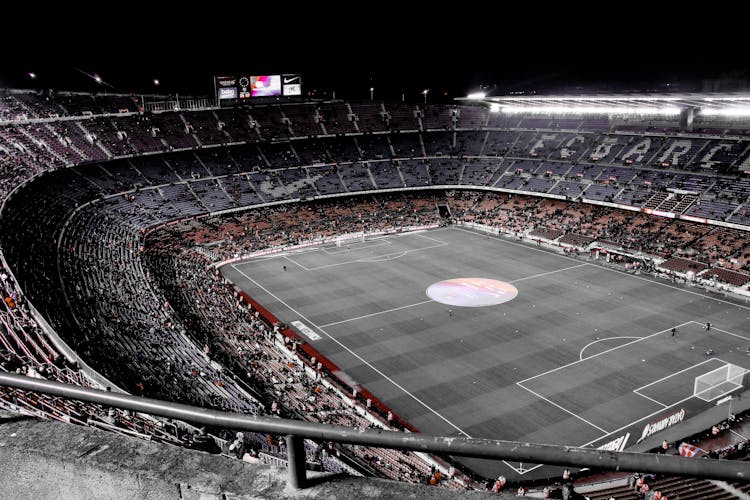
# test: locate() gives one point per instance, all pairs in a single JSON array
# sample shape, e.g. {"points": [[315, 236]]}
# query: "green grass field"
{"points": [[581, 355]]}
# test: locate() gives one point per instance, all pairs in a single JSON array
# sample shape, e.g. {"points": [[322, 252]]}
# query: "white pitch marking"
{"points": [[639, 339], [368, 259], [549, 272], [710, 360], [550, 371], [381, 259], [580, 354], [321, 247], [723, 331], [636, 421], [563, 409], [521, 472], [429, 238], [609, 269], [363, 360], [650, 399], [375, 314], [738, 434], [295, 263], [359, 246], [640, 419]]}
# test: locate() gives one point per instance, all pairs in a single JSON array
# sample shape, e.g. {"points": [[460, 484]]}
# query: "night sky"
{"points": [[349, 52]]}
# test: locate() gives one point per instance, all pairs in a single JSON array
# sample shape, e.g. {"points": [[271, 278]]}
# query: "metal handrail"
{"points": [[295, 431]]}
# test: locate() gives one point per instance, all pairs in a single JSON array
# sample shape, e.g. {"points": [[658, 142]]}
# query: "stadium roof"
{"points": [[641, 104]]}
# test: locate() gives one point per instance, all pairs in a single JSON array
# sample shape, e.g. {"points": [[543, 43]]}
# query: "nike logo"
{"points": [[291, 79]]}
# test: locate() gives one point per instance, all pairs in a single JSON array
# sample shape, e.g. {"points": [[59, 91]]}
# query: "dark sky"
{"points": [[379, 46]]}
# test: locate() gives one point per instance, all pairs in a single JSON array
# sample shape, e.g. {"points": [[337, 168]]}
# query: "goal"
{"points": [[342, 241], [719, 382]]}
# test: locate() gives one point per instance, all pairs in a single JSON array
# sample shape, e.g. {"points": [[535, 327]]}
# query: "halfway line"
{"points": [[374, 314], [549, 272]]}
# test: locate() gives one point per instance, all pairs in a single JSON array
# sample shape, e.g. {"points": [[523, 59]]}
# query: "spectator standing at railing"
{"points": [[110, 418], [638, 483], [644, 490], [499, 484], [238, 445]]}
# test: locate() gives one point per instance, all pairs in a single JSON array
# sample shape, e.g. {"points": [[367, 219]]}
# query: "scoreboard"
{"points": [[248, 87]]}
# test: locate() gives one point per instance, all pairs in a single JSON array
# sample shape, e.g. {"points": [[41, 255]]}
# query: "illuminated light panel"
{"points": [[739, 111], [472, 292], [592, 110]]}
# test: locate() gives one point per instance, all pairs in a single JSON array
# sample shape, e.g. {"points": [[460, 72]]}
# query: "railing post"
{"points": [[295, 450]]}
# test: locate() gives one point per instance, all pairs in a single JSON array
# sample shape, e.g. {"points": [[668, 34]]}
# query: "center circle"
{"points": [[471, 292]]}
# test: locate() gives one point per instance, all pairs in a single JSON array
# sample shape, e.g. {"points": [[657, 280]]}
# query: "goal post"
{"points": [[719, 382]]}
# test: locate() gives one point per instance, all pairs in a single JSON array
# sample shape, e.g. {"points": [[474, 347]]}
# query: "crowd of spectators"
{"points": [[148, 315], [26, 349], [561, 158], [251, 348], [655, 236]]}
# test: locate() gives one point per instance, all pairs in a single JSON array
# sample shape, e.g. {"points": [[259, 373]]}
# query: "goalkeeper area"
{"points": [[581, 355]]}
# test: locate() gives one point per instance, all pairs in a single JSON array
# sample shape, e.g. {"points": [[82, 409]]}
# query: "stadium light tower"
{"points": [[424, 93], [32, 75], [372, 92]]}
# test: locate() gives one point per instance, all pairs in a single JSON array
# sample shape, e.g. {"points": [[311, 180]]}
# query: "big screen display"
{"points": [[265, 86], [242, 87]]}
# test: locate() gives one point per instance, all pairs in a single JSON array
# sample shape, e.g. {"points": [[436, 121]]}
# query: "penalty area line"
{"points": [[650, 399], [638, 339], [722, 331], [295, 262]]}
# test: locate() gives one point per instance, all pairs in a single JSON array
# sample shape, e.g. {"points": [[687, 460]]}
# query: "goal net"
{"points": [[718, 382]]}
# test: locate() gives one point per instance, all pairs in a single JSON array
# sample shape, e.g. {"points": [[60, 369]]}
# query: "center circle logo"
{"points": [[471, 292]]}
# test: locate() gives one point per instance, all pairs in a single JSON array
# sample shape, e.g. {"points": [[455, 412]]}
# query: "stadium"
{"points": [[565, 269]]}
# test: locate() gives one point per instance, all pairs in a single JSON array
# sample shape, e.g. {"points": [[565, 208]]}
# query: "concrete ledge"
{"points": [[42, 459]]}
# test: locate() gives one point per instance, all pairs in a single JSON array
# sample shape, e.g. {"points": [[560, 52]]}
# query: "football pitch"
{"points": [[582, 355]]}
